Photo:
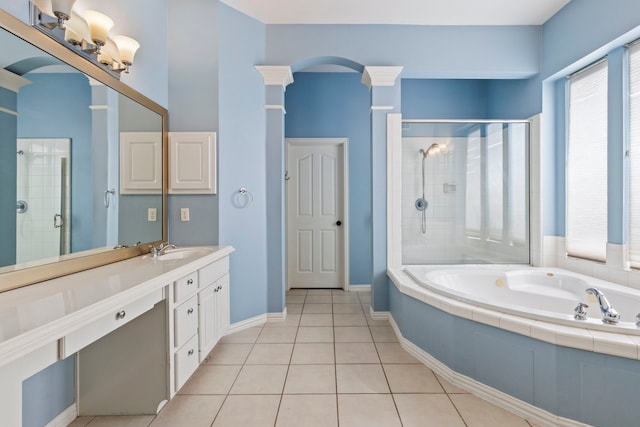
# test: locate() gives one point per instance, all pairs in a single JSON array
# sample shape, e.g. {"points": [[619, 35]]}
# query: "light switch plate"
{"points": [[184, 214], [152, 214]]}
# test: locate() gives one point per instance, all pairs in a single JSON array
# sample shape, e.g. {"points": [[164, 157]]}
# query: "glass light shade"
{"points": [[111, 49], [62, 7], [127, 47], [76, 27], [99, 26], [44, 6], [103, 58]]}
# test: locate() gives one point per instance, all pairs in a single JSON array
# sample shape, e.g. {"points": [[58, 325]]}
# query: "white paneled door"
{"points": [[316, 206]]}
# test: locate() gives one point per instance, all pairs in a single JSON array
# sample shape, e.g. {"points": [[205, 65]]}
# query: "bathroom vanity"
{"points": [[140, 328]]}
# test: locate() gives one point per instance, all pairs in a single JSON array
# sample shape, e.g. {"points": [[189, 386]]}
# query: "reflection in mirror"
{"points": [[60, 142]]}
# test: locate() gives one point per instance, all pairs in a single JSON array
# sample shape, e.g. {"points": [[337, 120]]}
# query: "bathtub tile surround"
{"points": [[391, 389]]}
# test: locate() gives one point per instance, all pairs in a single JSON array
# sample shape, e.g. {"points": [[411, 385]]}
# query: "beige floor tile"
{"points": [[479, 413], [315, 334], [356, 353], [427, 410], [361, 379], [316, 320], [295, 299], [318, 299], [347, 308], [253, 411], [294, 308], [311, 379], [247, 336], [192, 411], [352, 334], [211, 379], [408, 378], [319, 292], [260, 379], [313, 353], [229, 354], [292, 319], [450, 388], [357, 319], [383, 334], [370, 410], [394, 353], [313, 410], [364, 298], [80, 422], [277, 335], [317, 309], [296, 292], [270, 354], [345, 298], [122, 421]]}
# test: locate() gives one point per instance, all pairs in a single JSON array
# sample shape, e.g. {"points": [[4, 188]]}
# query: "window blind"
{"points": [[634, 155], [587, 164]]}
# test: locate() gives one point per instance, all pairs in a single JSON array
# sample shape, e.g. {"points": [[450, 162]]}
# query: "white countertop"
{"points": [[38, 314]]}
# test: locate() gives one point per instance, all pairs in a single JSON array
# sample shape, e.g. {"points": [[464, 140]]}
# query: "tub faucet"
{"points": [[609, 314], [159, 250]]}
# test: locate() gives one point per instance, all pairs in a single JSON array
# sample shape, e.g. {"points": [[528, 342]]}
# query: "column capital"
{"points": [[12, 81], [380, 75], [276, 75]]}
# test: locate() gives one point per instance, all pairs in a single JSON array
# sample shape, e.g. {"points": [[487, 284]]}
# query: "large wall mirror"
{"points": [[82, 162]]}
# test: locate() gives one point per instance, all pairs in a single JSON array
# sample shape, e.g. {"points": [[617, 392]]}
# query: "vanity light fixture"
{"points": [[87, 33]]}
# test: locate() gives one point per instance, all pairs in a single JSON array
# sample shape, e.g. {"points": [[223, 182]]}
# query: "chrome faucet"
{"points": [[159, 250], [609, 314]]}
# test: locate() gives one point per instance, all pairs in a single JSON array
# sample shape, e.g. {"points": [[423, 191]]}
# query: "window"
{"points": [[634, 155], [587, 163]]}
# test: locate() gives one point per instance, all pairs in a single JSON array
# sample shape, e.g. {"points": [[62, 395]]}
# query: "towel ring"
{"points": [[243, 198]]}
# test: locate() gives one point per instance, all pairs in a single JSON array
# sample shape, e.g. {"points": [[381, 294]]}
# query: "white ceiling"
{"points": [[408, 12]]}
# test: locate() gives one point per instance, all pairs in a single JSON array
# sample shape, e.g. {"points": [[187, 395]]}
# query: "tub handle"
{"points": [[638, 319], [580, 311]]}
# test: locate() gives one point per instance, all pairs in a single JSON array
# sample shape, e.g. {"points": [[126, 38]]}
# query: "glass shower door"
{"points": [[44, 204]]}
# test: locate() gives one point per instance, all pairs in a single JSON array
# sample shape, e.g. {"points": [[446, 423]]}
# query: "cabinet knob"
{"points": [[190, 282], [190, 352], [190, 311], [121, 314]]}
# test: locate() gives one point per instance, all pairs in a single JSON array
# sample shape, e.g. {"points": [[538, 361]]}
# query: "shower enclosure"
{"points": [[43, 208], [465, 192]]}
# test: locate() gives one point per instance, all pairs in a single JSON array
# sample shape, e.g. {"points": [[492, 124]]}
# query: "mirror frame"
{"points": [[83, 260]]}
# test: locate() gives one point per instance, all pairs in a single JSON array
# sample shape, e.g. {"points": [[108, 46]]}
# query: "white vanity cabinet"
{"points": [[214, 314]]}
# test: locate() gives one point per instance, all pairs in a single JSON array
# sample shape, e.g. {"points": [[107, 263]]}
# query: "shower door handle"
{"points": [[339, 223]]}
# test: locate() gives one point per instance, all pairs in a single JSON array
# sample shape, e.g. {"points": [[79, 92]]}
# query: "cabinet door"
{"points": [[140, 162], [222, 306], [207, 322], [192, 162]]}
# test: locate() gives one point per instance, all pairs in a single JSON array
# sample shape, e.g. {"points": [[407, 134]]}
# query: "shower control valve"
{"points": [[580, 311]]}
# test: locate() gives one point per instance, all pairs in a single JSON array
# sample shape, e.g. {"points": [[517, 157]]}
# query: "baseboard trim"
{"points": [[64, 418], [247, 323], [483, 391], [277, 317], [360, 288], [380, 315]]}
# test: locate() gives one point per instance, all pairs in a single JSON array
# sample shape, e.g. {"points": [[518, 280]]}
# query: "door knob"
{"points": [[339, 223]]}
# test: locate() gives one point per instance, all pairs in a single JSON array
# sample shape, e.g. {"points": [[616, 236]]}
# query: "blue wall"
{"points": [[334, 105], [42, 115], [8, 168], [243, 159], [444, 99]]}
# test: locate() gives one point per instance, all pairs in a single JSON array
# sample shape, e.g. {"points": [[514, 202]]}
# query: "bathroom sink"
{"points": [[182, 253]]}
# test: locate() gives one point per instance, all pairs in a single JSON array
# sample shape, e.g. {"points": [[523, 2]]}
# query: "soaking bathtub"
{"points": [[543, 294]]}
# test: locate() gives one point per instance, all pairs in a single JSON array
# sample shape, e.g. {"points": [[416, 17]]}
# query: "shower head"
{"points": [[20, 153], [435, 148]]}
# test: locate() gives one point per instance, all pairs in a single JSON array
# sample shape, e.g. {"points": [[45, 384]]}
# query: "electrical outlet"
{"points": [[152, 214], [184, 214]]}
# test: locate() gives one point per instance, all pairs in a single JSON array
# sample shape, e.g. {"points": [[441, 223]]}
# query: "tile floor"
{"points": [[328, 364]]}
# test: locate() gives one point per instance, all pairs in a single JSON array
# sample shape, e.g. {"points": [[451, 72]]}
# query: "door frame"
{"points": [[343, 144]]}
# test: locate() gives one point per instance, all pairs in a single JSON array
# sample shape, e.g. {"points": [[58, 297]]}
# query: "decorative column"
{"points": [[10, 85], [276, 79], [385, 98]]}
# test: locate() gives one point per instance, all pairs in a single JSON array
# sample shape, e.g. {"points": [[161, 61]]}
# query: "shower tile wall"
{"points": [[442, 187], [39, 184]]}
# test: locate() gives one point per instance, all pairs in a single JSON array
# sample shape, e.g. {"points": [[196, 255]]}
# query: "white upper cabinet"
{"points": [[192, 162], [140, 162]]}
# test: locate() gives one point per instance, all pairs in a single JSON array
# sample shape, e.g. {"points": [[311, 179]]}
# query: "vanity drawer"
{"points": [[212, 272], [95, 330], [185, 287], [185, 321], [186, 361]]}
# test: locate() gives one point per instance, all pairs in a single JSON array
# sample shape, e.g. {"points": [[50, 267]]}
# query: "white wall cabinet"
{"points": [[192, 162], [140, 162]]}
